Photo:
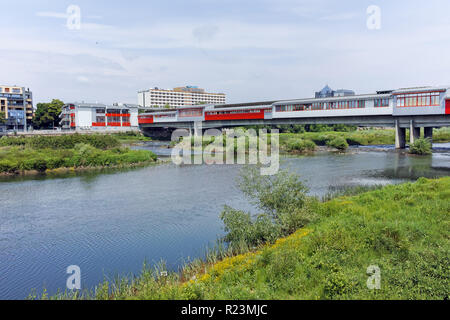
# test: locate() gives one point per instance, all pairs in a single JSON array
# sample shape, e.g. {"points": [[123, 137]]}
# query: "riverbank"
{"points": [[44, 154], [309, 142], [399, 230]]}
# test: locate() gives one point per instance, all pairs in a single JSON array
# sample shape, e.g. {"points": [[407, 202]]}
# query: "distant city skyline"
{"points": [[251, 51]]}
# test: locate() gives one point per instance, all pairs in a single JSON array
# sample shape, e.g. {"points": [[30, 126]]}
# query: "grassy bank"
{"points": [[360, 137], [401, 229], [42, 153], [307, 142], [131, 137]]}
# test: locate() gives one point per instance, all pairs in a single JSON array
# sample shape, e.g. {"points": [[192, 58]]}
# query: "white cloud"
{"points": [[341, 16], [247, 60], [83, 79], [49, 14]]}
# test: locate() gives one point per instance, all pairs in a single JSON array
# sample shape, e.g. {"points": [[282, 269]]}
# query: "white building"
{"points": [[96, 116], [181, 96]]}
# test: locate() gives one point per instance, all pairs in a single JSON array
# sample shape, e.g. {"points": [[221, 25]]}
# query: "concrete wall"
{"points": [[83, 118]]}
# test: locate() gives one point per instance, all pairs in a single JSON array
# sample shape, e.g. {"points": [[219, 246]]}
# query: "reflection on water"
{"points": [[110, 222]]}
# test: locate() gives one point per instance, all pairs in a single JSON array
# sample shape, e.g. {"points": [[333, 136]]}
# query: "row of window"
{"points": [[381, 102], [165, 116], [8, 90], [191, 113], [322, 106], [211, 113], [113, 119], [419, 99]]}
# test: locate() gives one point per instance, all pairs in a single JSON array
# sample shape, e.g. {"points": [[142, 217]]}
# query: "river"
{"points": [[110, 222]]}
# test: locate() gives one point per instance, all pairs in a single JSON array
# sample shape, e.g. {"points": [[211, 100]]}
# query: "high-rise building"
{"points": [[178, 97], [17, 105]]}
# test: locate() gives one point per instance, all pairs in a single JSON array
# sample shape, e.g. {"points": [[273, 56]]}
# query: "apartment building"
{"points": [[17, 105], [99, 117], [178, 97]]}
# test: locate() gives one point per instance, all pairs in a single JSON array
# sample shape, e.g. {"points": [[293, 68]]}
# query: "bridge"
{"points": [[413, 109]]}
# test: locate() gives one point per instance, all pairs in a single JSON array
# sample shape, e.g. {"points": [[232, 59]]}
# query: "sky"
{"points": [[250, 50]]}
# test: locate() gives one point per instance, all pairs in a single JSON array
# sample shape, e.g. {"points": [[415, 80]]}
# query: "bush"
{"points": [[62, 142], [300, 145], [8, 166], [421, 146], [284, 204], [338, 143]]}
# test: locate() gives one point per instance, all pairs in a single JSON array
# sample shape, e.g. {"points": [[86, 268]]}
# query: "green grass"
{"points": [[19, 155], [361, 137], [441, 135], [402, 229], [100, 141], [306, 142], [131, 137]]}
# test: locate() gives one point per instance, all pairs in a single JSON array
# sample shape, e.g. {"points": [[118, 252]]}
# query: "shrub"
{"points": [[8, 166], [300, 145], [284, 204], [62, 142], [338, 143], [421, 146]]}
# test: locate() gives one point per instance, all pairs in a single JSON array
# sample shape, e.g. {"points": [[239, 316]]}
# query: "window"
{"points": [[419, 99], [381, 102]]}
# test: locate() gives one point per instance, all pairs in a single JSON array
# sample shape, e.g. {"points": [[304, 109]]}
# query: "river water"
{"points": [[109, 223]]}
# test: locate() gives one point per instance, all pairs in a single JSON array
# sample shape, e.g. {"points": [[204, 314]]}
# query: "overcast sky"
{"points": [[250, 50]]}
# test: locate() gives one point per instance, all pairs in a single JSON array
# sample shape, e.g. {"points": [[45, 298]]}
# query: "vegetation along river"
{"points": [[110, 222]]}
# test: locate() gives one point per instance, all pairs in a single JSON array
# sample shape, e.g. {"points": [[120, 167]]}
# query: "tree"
{"points": [[47, 114], [2, 118]]}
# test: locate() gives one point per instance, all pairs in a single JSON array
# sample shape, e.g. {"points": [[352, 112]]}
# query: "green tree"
{"points": [[47, 114], [2, 118]]}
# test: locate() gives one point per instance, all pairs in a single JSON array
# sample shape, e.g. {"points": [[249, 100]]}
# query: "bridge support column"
{"points": [[429, 133], [414, 132], [400, 136], [196, 129]]}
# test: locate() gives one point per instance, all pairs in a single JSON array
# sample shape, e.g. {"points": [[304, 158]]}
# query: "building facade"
{"points": [[17, 105], [178, 97], [327, 92], [96, 116]]}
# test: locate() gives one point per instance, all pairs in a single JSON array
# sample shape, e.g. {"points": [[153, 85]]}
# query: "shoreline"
{"points": [[66, 170]]}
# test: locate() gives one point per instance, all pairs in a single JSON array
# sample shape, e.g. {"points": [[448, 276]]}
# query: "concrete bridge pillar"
{"points": [[400, 136], [196, 129], [414, 132], [429, 133]]}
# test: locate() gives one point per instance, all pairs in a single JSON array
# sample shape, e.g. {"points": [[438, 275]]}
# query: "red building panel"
{"points": [[145, 119], [447, 106], [210, 116]]}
